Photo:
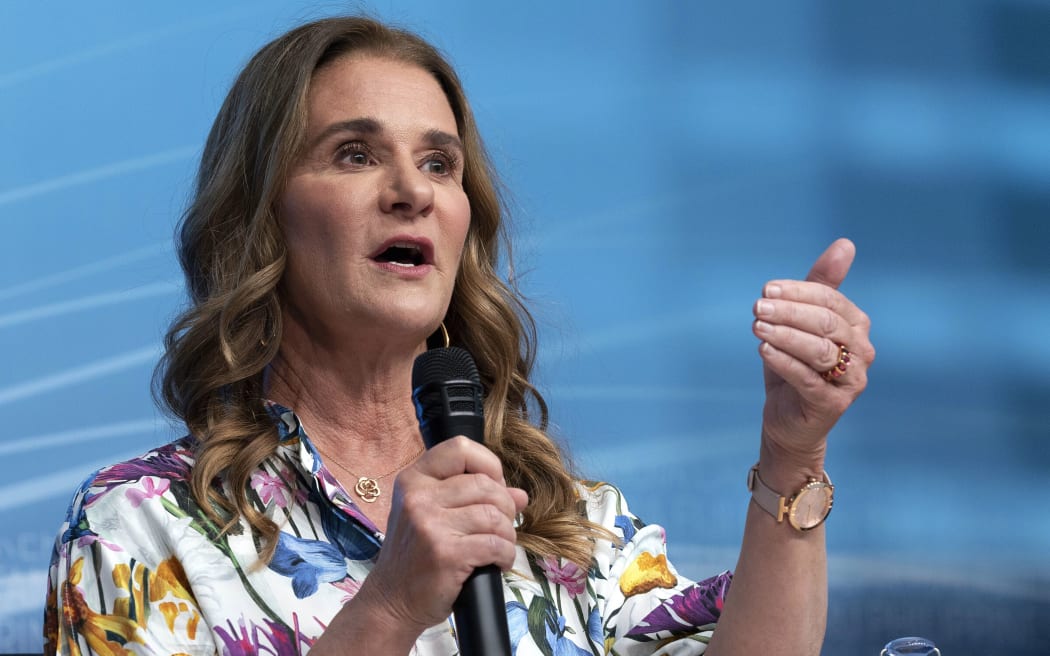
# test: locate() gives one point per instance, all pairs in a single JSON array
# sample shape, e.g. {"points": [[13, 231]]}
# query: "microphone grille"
{"points": [[443, 364]]}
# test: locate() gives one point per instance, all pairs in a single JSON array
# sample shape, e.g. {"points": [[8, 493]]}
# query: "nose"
{"points": [[408, 192]]}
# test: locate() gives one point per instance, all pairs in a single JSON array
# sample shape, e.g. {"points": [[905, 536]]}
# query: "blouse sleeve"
{"points": [[113, 586], [647, 607]]}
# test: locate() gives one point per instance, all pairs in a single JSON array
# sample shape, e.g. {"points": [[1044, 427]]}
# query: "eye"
{"points": [[440, 164], [354, 154]]}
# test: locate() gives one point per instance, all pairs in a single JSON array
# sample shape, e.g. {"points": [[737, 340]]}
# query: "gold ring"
{"points": [[840, 366]]}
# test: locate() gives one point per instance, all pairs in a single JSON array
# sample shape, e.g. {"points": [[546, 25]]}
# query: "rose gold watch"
{"points": [[805, 510]]}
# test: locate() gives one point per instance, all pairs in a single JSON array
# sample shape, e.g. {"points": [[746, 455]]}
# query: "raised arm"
{"points": [[816, 352]]}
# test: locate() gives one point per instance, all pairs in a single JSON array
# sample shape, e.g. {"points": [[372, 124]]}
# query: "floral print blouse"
{"points": [[139, 569]]}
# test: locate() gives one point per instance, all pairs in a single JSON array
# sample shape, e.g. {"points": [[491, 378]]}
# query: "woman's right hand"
{"points": [[451, 513]]}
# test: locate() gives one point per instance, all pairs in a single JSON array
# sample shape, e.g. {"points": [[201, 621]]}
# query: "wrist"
{"points": [[786, 470], [368, 623]]}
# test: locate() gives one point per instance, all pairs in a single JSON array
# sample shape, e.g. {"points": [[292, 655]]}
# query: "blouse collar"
{"points": [[297, 448]]}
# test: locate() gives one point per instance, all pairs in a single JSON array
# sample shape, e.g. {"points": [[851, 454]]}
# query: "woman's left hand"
{"points": [[806, 327]]}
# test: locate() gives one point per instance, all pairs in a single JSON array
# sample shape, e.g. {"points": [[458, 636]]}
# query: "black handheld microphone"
{"points": [[446, 389]]}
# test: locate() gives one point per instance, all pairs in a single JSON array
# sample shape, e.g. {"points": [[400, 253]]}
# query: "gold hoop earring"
{"points": [[265, 339], [439, 338]]}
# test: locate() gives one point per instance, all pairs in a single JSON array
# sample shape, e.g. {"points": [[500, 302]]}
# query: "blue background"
{"points": [[666, 158]]}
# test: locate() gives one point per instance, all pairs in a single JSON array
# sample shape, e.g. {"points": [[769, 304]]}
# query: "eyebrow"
{"points": [[442, 138], [371, 126]]}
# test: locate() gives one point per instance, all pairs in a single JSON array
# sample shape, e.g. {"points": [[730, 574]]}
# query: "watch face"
{"points": [[811, 506]]}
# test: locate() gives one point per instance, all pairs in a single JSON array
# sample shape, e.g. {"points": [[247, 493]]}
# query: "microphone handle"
{"points": [[481, 616], [480, 609]]}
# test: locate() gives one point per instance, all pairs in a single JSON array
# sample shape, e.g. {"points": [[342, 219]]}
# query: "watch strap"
{"points": [[767, 499]]}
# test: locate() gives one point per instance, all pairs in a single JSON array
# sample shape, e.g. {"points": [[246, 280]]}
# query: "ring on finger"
{"points": [[840, 366]]}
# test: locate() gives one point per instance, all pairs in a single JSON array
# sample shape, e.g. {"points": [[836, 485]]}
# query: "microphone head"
{"points": [[447, 393], [443, 364]]}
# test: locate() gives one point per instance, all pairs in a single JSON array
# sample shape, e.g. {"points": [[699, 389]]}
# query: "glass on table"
{"points": [[910, 647]]}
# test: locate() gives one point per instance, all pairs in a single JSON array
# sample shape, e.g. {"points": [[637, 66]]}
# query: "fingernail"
{"points": [[772, 291], [764, 308], [762, 327]]}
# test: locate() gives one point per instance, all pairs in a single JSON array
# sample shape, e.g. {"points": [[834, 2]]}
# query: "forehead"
{"points": [[399, 95]]}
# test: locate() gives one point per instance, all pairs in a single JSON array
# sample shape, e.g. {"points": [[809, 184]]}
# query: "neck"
{"points": [[356, 404]]}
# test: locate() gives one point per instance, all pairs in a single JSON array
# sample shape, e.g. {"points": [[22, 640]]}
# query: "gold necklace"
{"points": [[367, 488]]}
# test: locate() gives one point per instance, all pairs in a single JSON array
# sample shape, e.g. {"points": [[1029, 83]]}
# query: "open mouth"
{"points": [[403, 254]]}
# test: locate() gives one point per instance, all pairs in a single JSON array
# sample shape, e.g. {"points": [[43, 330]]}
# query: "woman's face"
{"points": [[374, 213]]}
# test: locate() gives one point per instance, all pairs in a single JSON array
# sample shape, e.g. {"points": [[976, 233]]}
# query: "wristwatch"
{"points": [[805, 510]]}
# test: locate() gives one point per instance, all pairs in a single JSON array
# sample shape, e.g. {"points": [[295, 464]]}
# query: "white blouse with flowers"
{"points": [[139, 569]]}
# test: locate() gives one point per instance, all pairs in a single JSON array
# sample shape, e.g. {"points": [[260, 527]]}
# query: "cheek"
{"points": [[295, 215], [315, 225], [459, 222]]}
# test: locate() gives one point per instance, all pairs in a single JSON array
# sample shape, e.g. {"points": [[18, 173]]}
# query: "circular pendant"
{"points": [[367, 489]]}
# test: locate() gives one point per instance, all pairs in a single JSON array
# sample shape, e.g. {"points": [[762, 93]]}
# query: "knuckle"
{"points": [[830, 356], [864, 320], [507, 508], [480, 483], [490, 517], [411, 500], [418, 506], [405, 480], [497, 517], [828, 296], [829, 322]]}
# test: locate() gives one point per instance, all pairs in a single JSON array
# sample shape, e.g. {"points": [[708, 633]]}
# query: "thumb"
{"points": [[833, 264]]}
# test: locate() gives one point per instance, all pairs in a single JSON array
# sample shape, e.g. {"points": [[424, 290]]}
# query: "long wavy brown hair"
{"points": [[233, 254]]}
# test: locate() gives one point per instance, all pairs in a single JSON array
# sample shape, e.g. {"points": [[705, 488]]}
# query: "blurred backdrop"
{"points": [[665, 159]]}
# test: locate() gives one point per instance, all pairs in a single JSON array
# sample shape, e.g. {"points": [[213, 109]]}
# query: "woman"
{"points": [[345, 215]]}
